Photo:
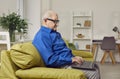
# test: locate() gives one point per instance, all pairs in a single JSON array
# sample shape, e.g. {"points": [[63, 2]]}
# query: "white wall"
{"points": [[45, 5], [106, 15], [7, 6], [32, 14]]}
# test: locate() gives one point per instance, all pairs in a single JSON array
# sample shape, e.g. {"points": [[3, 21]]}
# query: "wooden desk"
{"points": [[118, 44], [96, 46]]}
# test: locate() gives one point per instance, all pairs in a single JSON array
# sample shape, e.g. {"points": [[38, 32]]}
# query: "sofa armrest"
{"points": [[83, 54]]}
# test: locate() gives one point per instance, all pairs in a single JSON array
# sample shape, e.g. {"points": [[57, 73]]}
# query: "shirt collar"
{"points": [[46, 29]]}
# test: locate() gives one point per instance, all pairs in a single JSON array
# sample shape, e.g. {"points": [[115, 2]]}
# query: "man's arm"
{"points": [[53, 59]]}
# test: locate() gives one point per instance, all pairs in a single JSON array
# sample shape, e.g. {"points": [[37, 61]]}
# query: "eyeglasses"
{"points": [[55, 21]]}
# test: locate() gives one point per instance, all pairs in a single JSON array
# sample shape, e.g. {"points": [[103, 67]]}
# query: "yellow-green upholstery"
{"points": [[25, 56], [88, 56], [8, 68], [50, 73], [83, 54], [24, 62]]}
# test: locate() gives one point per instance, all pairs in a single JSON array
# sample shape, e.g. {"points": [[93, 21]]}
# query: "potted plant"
{"points": [[13, 22]]}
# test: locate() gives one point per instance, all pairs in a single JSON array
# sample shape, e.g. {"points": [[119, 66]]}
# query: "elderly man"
{"points": [[52, 47]]}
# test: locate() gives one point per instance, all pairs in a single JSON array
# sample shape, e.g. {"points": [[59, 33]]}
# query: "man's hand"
{"points": [[77, 59]]}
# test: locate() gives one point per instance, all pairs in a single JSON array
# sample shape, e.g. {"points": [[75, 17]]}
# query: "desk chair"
{"points": [[5, 39], [108, 44]]}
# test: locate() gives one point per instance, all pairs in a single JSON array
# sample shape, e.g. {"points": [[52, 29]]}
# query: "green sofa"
{"points": [[23, 61]]}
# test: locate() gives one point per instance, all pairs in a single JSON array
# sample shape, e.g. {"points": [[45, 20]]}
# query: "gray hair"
{"points": [[48, 14]]}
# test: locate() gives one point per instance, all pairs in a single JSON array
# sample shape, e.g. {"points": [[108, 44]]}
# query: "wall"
{"points": [[7, 6], [45, 5], [106, 15], [32, 14]]}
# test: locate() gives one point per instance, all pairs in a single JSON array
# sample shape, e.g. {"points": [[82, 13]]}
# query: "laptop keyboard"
{"points": [[87, 64], [84, 65]]}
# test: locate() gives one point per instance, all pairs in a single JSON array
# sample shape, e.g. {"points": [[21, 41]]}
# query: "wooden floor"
{"points": [[110, 71]]}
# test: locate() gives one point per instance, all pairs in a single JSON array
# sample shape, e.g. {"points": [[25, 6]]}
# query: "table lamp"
{"points": [[115, 29]]}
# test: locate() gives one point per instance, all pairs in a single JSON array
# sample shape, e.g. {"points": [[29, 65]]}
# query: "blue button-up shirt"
{"points": [[52, 48]]}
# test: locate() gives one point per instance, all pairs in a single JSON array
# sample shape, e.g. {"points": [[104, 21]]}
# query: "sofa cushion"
{"points": [[8, 68], [25, 55], [83, 54], [72, 46], [50, 73]]}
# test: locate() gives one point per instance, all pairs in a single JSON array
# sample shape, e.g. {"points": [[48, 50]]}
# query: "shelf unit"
{"points": [[5, 39], [82, 30]]}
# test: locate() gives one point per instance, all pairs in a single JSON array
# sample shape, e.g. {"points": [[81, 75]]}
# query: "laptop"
{"points": [[87, 65]]}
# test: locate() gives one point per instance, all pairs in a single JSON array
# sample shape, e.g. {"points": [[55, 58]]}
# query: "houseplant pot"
{"points": [[13, 22]]}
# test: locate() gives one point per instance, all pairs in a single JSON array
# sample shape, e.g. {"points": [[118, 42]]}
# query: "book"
{"points": [[87, 23]]}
